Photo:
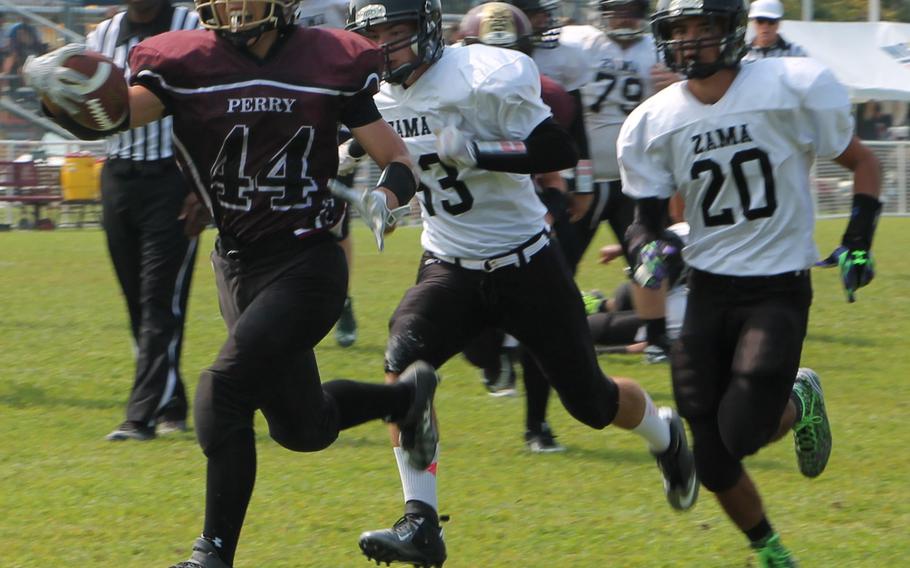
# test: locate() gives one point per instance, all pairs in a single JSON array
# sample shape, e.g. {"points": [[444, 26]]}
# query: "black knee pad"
{"points": [[407, 342], [743, 437], [305, 440], [311, 431], [595, 407], [717, 469], [750, 410], [221, 410]]}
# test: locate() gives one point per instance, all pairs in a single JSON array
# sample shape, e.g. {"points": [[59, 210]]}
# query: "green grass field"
{"points": [[70, 499]]}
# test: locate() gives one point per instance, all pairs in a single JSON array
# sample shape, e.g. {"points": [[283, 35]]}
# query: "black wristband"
{"points": [[554, 200], [399, 179], [863, 220], [648, 223]]}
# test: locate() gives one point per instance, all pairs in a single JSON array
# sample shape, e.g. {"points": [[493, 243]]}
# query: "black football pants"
{"points": [[537, 303], [610, 205], [154, 260], [734, 365], [277, 307]]}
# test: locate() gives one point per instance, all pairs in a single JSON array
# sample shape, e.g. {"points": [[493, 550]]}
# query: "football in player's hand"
{"points": [[105, 95]]}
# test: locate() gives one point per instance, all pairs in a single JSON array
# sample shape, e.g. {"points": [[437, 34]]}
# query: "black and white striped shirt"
{"points": [[781, 48], [115, 38]]}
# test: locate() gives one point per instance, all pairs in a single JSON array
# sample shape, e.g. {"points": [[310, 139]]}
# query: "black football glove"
{"points": [[854, 255]]}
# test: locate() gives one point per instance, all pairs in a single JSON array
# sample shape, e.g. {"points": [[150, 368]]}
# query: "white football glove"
{"points": [[349, 158], [372, 207], [455, 148], [64, 87]]}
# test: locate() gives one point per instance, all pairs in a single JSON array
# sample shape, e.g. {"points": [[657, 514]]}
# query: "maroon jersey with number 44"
{"points": [[258, 138]]}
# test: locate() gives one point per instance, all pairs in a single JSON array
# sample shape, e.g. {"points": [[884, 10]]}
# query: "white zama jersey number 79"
{"points": [[621, 82]]}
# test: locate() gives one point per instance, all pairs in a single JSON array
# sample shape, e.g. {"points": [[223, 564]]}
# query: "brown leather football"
{"points": [[106, 93]]}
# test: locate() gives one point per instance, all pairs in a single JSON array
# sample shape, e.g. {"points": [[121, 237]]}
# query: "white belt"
{"points": [[521, 256]]}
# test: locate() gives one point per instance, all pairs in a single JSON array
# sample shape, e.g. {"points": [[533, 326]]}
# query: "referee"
{"points": [[142, 193], [765, 16]]}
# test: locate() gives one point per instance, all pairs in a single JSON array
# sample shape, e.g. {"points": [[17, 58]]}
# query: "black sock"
{"points": [[361, 402], [656, 332], [230, 477], [760, 533], [421, 509], [537, 392]]}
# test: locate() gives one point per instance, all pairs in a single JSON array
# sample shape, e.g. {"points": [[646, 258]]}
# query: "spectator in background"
{"points": [[21, 42], [765, 16], [4, 37], [872, 124]]}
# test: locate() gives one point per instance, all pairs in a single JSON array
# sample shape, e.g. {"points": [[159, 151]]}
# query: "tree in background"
{"points": [[849, 10]]}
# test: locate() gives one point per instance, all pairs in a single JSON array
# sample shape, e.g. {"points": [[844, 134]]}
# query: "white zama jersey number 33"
{"points": [[491, 94]]}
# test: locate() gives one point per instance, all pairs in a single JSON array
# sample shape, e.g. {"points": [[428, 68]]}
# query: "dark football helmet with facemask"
{"points": [[611, 10], [234, 20], [730, 16], [427, 43], [545, 36]]}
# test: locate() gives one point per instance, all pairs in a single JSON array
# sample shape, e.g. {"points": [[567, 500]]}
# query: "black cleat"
{"points": [[542, 440], [677, 464], [205, 555], [131, 431], [413, 539], [419, 435]]}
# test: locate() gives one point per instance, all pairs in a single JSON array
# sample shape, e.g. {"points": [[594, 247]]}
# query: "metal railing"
{"points": [[832, 185]]}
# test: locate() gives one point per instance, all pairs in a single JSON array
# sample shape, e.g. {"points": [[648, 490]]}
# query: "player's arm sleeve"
{"points": [[150, 70], [547, 149], [827, 123], [508, 100], [643, 165], [358, 108], [646, 177]]}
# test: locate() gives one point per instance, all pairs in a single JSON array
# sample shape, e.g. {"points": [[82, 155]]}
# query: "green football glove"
{"points": [[857, 268]]}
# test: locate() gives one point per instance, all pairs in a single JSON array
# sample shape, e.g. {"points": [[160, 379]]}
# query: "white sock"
{"points": [[654, 429], [418, 484]]}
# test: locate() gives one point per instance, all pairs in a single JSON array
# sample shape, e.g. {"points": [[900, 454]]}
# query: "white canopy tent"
{"points": [[871, 58]]}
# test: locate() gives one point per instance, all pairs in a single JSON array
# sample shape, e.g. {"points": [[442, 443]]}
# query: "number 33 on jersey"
{"points": [[741, 163], [490, 94]]}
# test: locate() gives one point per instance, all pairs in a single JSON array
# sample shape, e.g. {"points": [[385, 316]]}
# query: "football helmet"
{"points": [[498, 24], [730, 15], [235, 19], [611, 10], [427, 43], [546, 35]]}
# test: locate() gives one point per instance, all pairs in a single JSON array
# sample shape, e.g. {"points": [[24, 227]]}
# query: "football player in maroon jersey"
{"points": [[256, 103]]}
